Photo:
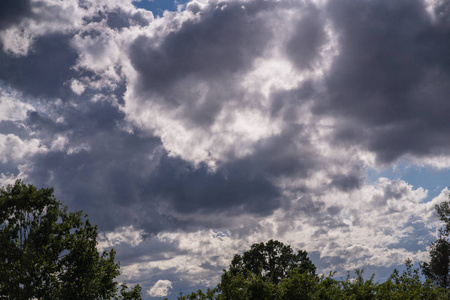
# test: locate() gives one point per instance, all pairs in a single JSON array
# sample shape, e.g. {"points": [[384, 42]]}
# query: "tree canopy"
{"points": [[257, 273], [48, 252], [273, 271], [438, 268]]}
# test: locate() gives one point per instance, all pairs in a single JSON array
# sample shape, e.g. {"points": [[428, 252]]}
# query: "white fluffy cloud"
{"points": [[13, 149], [160, 289], [237, 108], [123, 235], [11, 108]]}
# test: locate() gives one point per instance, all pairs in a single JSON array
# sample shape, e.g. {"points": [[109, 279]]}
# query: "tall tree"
{"points": [[47, 252], [443, 211], [438, 268], [272, 260], [257, 274]]}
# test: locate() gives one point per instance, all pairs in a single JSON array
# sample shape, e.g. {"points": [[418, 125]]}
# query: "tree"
{"points": [[257, 274], [443, 211], [438, 268], [409, 285], [272, 261], [272, 271], [358, 288], [47, 252], [133, 294], [199, 295]]}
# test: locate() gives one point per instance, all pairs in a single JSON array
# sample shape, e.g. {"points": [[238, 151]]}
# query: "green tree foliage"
{"points": [[438, 268], [272, 261], [273, 271], [409, 285], [199, 295], [47, 252], [258, 272], [127, 294], [267, 271], [443, 211], [358, 288]]}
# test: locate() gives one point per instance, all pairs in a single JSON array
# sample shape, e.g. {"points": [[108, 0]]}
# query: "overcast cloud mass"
{"points": [[189, 135]]}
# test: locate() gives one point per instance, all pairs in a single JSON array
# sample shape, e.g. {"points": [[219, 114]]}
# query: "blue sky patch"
{"points": [[431, 179], [157, 7]]}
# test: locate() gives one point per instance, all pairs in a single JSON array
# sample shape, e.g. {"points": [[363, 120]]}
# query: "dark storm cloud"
{"points": [[43, 125], [198, 189], [14, 127], [224, 41], [118, 19], [104, 168], [45, 71], [304, 45], [120, 177], [222, 44], [284, 103], [287, 154], [346, 182], [12, 11], [390, 79], [349, 181], [113, 179]]}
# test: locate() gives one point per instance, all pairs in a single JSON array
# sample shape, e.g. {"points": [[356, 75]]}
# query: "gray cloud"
{"points": [[45, 71], [14, 127], [193, 189], [210, 51], [108, 172], [12, 11], [117, 18], [346, 182], [309, 34], [285, 102], [100, 166], [294, 158], [389, 78], [213, 47]]}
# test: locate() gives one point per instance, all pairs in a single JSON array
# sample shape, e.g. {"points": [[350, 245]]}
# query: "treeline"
{"points": [[261, 279], [272, 271], [47, 252]]}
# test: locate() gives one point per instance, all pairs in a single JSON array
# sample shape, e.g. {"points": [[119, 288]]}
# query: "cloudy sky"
{"points": [[190, 130]]}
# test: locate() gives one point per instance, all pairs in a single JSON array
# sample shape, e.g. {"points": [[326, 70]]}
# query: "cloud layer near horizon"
{"points": [[189, 136]]}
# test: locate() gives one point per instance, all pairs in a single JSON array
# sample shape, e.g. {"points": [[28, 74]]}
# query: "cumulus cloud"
{"points": [[44, 72], [11, 108], [123, 235], [387, 81], [190, 81], [308, 36], [160, 289]]}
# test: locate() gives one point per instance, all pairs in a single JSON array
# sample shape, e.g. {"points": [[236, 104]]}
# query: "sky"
{"points": [[190, 130]]}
